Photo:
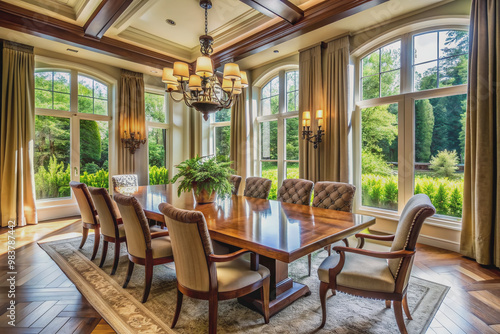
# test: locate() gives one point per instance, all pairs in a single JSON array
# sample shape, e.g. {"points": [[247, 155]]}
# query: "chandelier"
{"points": [[203, 90]]}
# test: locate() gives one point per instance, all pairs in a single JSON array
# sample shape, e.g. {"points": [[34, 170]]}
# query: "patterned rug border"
{"points": [[114, 319]]}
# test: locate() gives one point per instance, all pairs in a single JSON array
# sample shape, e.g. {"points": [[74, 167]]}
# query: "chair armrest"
{"points": [[363, 236], [155, 235], [228, 257], [379, 255]]}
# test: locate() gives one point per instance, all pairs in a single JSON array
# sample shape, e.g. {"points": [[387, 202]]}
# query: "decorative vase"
{"points": [[204, 196]]}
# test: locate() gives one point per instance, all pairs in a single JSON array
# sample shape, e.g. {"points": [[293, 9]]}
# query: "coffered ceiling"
{"points": [[137, 30]]}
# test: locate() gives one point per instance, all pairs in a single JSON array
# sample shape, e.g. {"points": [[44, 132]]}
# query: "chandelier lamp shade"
{"points": [[203, 89]]}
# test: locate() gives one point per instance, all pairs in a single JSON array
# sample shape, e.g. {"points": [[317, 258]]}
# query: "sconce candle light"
{"points": [[131, 142], [307, 133]]}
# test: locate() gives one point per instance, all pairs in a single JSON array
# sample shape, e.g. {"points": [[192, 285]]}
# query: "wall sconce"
{"points": [[307, 133], [132, 143]]}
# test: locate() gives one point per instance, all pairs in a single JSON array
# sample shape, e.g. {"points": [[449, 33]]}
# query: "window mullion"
{"points": [[281, 128]]}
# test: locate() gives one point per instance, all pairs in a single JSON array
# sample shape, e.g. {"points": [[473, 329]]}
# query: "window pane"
{"points": [[292, 81], [439, 151], [100, 90], [156, 146], [291, 102], [61, 101], [92, 96], [61, 82], [371, 64], [453, 43], [100, 107], [266, 107], [223, 116], [390, 57], [390, 83], [275, 86], [292, 170], [425, 76], [275, 101], [43, 99], [371, 87], [85, 105], [266, 91], [43, 80], [155, 107], [270, 171], [52, 157], [222, 142], [85, 86], [269, 140], [379, 174], [453, 71], [94, 139], [425, 47], [292, 138]]}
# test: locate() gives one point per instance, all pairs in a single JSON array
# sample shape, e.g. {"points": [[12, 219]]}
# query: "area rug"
{"points": [[122, 308]]}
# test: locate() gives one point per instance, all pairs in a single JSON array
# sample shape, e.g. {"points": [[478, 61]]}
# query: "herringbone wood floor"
{"points": [[47, 302]]}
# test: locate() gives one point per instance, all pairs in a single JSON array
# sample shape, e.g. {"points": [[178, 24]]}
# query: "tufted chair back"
{"points": [[418, 208], [236, 181], [85, 204], [257, 187], [295, 191], [191, 244], [124, 180], [334, 196], [135, 224], [105, 209]]}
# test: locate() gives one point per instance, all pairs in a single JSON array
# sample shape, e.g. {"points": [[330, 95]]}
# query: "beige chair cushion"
{"points": [[295, 191], [334, 196], [359, 272], [162, 247], [237, 274], [121, 230], [257, 187]]}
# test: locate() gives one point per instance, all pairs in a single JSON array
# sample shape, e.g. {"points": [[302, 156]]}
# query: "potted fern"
{"points": [[205, 177]]}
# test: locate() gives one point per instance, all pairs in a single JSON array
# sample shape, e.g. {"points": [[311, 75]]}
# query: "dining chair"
{"points": [[236, 181], [374, 274], [296, 191], [257, 187], [112, 228], [124, 180], [201, 274], [333, 196], [143, 247], [90, 220]]}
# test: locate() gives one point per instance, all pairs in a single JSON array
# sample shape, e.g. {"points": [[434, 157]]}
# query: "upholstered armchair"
{"points": [[333, 196], [296, 191], [143, 247], [236, 181], [112, 228], [378, 275], [257, 187], [124, 180], [203, 275], [90, 221]]}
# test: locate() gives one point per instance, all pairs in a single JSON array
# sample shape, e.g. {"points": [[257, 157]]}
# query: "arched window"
{"points": [[71, 132], [411, 112], [279, 128]]}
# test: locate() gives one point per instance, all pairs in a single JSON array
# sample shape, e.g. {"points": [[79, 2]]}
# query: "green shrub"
{"points": [[441, 200], [373, 163], [100, 179], [456, 200], [53, 181], [158, 175], [444, 164]]}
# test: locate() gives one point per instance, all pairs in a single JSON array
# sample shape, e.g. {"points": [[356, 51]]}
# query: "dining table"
{"points": [[278, 232]]}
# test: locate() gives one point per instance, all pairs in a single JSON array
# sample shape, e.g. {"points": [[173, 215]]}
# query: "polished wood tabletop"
{"points": [[281, 231]]}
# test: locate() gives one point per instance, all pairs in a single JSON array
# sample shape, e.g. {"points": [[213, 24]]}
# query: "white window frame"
{"points": [[406, 126], [159, 125], [74, 116], [280, 117]]}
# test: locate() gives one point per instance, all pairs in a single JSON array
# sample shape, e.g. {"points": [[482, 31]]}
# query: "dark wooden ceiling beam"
{"points": [[282, 8], [315, 17], [104, 16], [29, 22]]}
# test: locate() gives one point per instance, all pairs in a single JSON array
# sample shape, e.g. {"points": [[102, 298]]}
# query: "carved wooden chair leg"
{"points": [[129, 273], [323, 289], [177, 308], [104, 253], [406, 308], [309, 265], [388, 304], [117, 257], [85, 234], [97, 239], [149, 279], [213, 304], [264, 295], [398, 312]]}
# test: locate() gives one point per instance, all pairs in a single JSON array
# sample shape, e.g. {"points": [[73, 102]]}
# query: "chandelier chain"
{"points": [[206, 21]]}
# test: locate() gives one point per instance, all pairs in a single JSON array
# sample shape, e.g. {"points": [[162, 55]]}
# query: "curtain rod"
{"points": [[324, 43]]}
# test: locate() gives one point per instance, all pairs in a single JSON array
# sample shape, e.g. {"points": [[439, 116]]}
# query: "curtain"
{"points": [[310, 99], [17, 125], [481, 204], [334, 148], [240, 137], [132, 117]]}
